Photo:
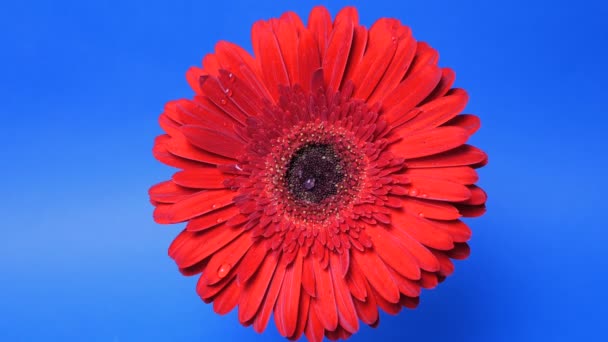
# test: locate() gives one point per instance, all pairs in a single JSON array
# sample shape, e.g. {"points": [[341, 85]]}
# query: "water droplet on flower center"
{"points": [[309, 184], [314, 172]]}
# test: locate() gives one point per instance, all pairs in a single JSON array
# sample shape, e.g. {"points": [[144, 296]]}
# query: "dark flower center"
{"points": [[314, 173]]}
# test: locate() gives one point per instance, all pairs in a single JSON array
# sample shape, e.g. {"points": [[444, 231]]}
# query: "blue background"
{"points": [[82, 84]]}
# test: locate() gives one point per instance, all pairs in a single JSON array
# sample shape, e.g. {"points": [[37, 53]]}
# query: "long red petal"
{"points": [[376, 273], [286, 309], [347, 315], [221, 143], [338, 48], [255, 289], [422, 230], [224, 260], [189, 248], [426, 143], [271, 63], [324, 304], [463, 155]]}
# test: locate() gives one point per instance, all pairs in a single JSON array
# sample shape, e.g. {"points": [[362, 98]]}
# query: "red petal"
{"points": [[169, 192], [319, 23], [437, 112], [189, 248], [286, 309], [378, 55], [163, 155], [425, 55], [303, 307], [376, 273], [200, 203], [309, 59], [468, 122], [193, 75], [425, 143], [242, 95], [211, 65], [407, 286], [367, 310], [447, 267], [356, 51], [430, 209], [227, 299], [423, 230], [324, 304], [401, 61], [447, 79], [463, 155], [220, 143], [428, 280], [388, 307], [347, 316], [471, 211], [206, 291], [308, 277], [409, 302], [458, 174], [201, 178], [393, 252], [251, 262], [212, 219], [478, 196], [410, 92], [225, 260], [356, 284], [286, 31], [457, 229], [438, 189], [179, 146], [254, 290], [262, 317], [220, 96], [314, 328], [460, 251], [267, 50], [338, 48]]}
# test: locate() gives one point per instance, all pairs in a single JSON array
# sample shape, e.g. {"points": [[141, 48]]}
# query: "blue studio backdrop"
{"points": [[81, 87]]}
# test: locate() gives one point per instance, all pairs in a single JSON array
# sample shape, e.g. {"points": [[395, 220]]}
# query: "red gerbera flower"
{"points": [[322, 178]]}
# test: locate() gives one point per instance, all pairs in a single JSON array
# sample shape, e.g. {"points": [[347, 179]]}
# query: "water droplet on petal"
{"points": [[413, 192], [223, 270], [228, 92], [424, 195], [213, 206], [219, 220], [223, 101], [231, 77], [421, 214]]}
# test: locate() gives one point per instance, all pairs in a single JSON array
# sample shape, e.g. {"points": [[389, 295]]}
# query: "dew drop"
{"points": [[424, 195], [223, 270], [309, 184], [219, 220], [213, 206], [231, 77], [413, 192], [228, 92], [223, 101], [421, 214]]}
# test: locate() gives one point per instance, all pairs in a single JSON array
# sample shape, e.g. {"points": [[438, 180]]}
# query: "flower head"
{"points": [[321, 179]]}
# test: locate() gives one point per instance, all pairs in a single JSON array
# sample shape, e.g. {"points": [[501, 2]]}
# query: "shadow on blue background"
{"points": [[82, 84]]}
